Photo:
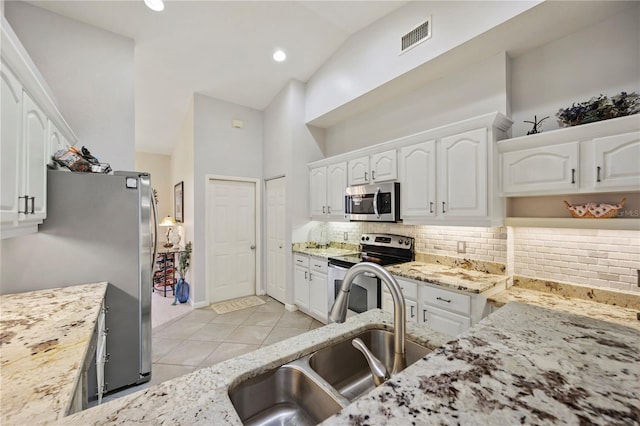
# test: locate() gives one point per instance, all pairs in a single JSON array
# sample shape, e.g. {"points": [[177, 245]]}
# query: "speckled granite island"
{"points": [[44, 339], [521, 365]]}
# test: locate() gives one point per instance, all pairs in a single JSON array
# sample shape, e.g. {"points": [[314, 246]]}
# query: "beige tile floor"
{"points": [[202, 338]]}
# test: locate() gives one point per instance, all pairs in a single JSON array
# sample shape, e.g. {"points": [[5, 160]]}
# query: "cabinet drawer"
{"points": [[319, 264], [454, 302], [409, 289], [301, 260]]}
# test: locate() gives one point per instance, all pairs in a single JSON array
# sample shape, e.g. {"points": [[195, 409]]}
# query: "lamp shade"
{"points": [[168, 221]]}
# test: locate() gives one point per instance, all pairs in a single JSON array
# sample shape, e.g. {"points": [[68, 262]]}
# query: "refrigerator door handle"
{"points": [[154, 209]]}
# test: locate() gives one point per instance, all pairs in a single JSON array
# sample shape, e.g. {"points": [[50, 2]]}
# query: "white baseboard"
{"points": [[197, 305]]}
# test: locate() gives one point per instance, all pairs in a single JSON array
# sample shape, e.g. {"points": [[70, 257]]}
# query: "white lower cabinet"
{"points": [[311, 291], [443, 321], [410, 293]]}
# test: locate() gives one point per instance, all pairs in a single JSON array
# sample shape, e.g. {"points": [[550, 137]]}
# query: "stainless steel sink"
{"points": [[285, 396], [346, 370], [316, 386]]}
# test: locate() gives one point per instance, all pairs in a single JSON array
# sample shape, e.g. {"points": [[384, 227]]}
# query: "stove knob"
{"points": [[400, 241], [407, 242], [362, 238], [367, 238]]}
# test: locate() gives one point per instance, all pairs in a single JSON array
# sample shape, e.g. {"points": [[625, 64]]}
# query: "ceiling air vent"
{"points": [[416, 36]]}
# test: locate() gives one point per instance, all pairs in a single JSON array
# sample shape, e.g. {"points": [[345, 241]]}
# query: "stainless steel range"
{"points": [[366, 292]]}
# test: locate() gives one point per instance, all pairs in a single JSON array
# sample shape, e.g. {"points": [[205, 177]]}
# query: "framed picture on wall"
{"points": [[178, 202]]}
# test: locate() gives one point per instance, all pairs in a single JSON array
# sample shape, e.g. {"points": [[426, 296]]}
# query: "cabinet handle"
{"points": [[424, 315], [431, 207], [299, 260], [329, 209], [26, 204], [411, 314], [33, 205], [444, 300], [443, 207], [310, 276], [573, 176], [305, 275], [323, 212], [598, 174], [373, 175], [365, 175]]}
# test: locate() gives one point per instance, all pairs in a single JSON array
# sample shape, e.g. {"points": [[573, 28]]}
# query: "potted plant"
{"points": [[182, 287]]}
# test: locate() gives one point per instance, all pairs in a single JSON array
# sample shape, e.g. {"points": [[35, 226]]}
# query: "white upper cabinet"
{"points": [[462, 162], [379, 167], [595, 157], [549, 169], [327, 191], [32, 129], [617, 162], [11, 134], [418, 180]]}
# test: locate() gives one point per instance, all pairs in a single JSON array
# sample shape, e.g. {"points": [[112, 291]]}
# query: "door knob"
{"points": [[252, 247]]}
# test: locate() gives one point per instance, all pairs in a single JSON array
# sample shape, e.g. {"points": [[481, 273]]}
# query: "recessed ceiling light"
{"points": [[156, 5], [279, 56]]}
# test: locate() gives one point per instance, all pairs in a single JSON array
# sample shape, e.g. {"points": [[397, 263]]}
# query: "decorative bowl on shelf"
{"points": [[595, 210], [600, 108]]}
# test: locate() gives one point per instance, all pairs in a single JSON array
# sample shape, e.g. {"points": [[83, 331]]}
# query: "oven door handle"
{"points": [[375, 202]]}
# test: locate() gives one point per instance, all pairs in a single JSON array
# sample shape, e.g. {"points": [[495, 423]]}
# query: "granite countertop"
{"points": [[44, 338], [467, 280], [563, 300], [521, 365], [333, 249]]}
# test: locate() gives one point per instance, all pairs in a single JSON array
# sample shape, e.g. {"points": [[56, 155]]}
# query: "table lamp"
{"points": [[169, 222]]}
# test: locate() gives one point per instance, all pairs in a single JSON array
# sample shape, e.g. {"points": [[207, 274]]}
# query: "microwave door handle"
{"points": [[375, 202]]}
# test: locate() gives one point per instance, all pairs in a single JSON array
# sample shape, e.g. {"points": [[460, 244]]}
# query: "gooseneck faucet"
{"points": [[339, 309]]}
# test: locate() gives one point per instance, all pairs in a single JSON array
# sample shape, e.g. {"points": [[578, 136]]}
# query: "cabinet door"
{"points": [[418, 180], [34, 145], [411, 307], [336, 186], [443, 321], [55, 141], [319, 296], [318, 192], [10, 142], [359, 171], [301, 287], [462, 162], [384, 166], [544, 170], [617, 162]]}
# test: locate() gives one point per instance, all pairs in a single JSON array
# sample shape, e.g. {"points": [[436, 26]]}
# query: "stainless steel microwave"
{"points": [[373, 203]]}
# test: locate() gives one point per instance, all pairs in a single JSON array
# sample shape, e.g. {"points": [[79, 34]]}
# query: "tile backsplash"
{"points": [[599, 258]]}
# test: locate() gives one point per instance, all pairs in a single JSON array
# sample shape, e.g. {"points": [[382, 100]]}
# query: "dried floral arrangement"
{"points": [[600, 108]]}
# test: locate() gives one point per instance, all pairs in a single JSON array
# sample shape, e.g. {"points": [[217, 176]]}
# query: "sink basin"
{"points": [[282, 396], [345, 368]]}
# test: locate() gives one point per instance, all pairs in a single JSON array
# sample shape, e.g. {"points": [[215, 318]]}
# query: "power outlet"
{"points": [[462, 247], [346, 236]]}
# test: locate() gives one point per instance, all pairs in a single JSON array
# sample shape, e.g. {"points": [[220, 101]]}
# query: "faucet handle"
{"points": [[378, 371]]}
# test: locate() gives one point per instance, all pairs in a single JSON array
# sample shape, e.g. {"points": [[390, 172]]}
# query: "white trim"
{"points": [[198, 305], [291, 308], [258, 209]]}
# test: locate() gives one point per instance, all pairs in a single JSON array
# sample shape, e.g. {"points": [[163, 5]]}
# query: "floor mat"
{"points": [[236, 304]]}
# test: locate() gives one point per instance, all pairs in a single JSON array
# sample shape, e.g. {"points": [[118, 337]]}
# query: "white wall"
{"points": [[370, 58], [479, 89], [159, 166], [220, 149], [182, 170], [602, 59], [91, 73]]}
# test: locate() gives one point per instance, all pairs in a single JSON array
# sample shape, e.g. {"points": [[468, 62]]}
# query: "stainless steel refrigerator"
{"points": [[98, 228]]}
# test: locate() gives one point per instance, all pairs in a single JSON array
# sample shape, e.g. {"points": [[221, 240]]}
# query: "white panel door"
{"points": [[359, 171], [544, 170], [617, 162], [384, 166], [418, 180], [318, 192], [35, 130], [319, 296], [336, 189], [462, 160], [231, 239], [276, 197], [10, 142]]}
